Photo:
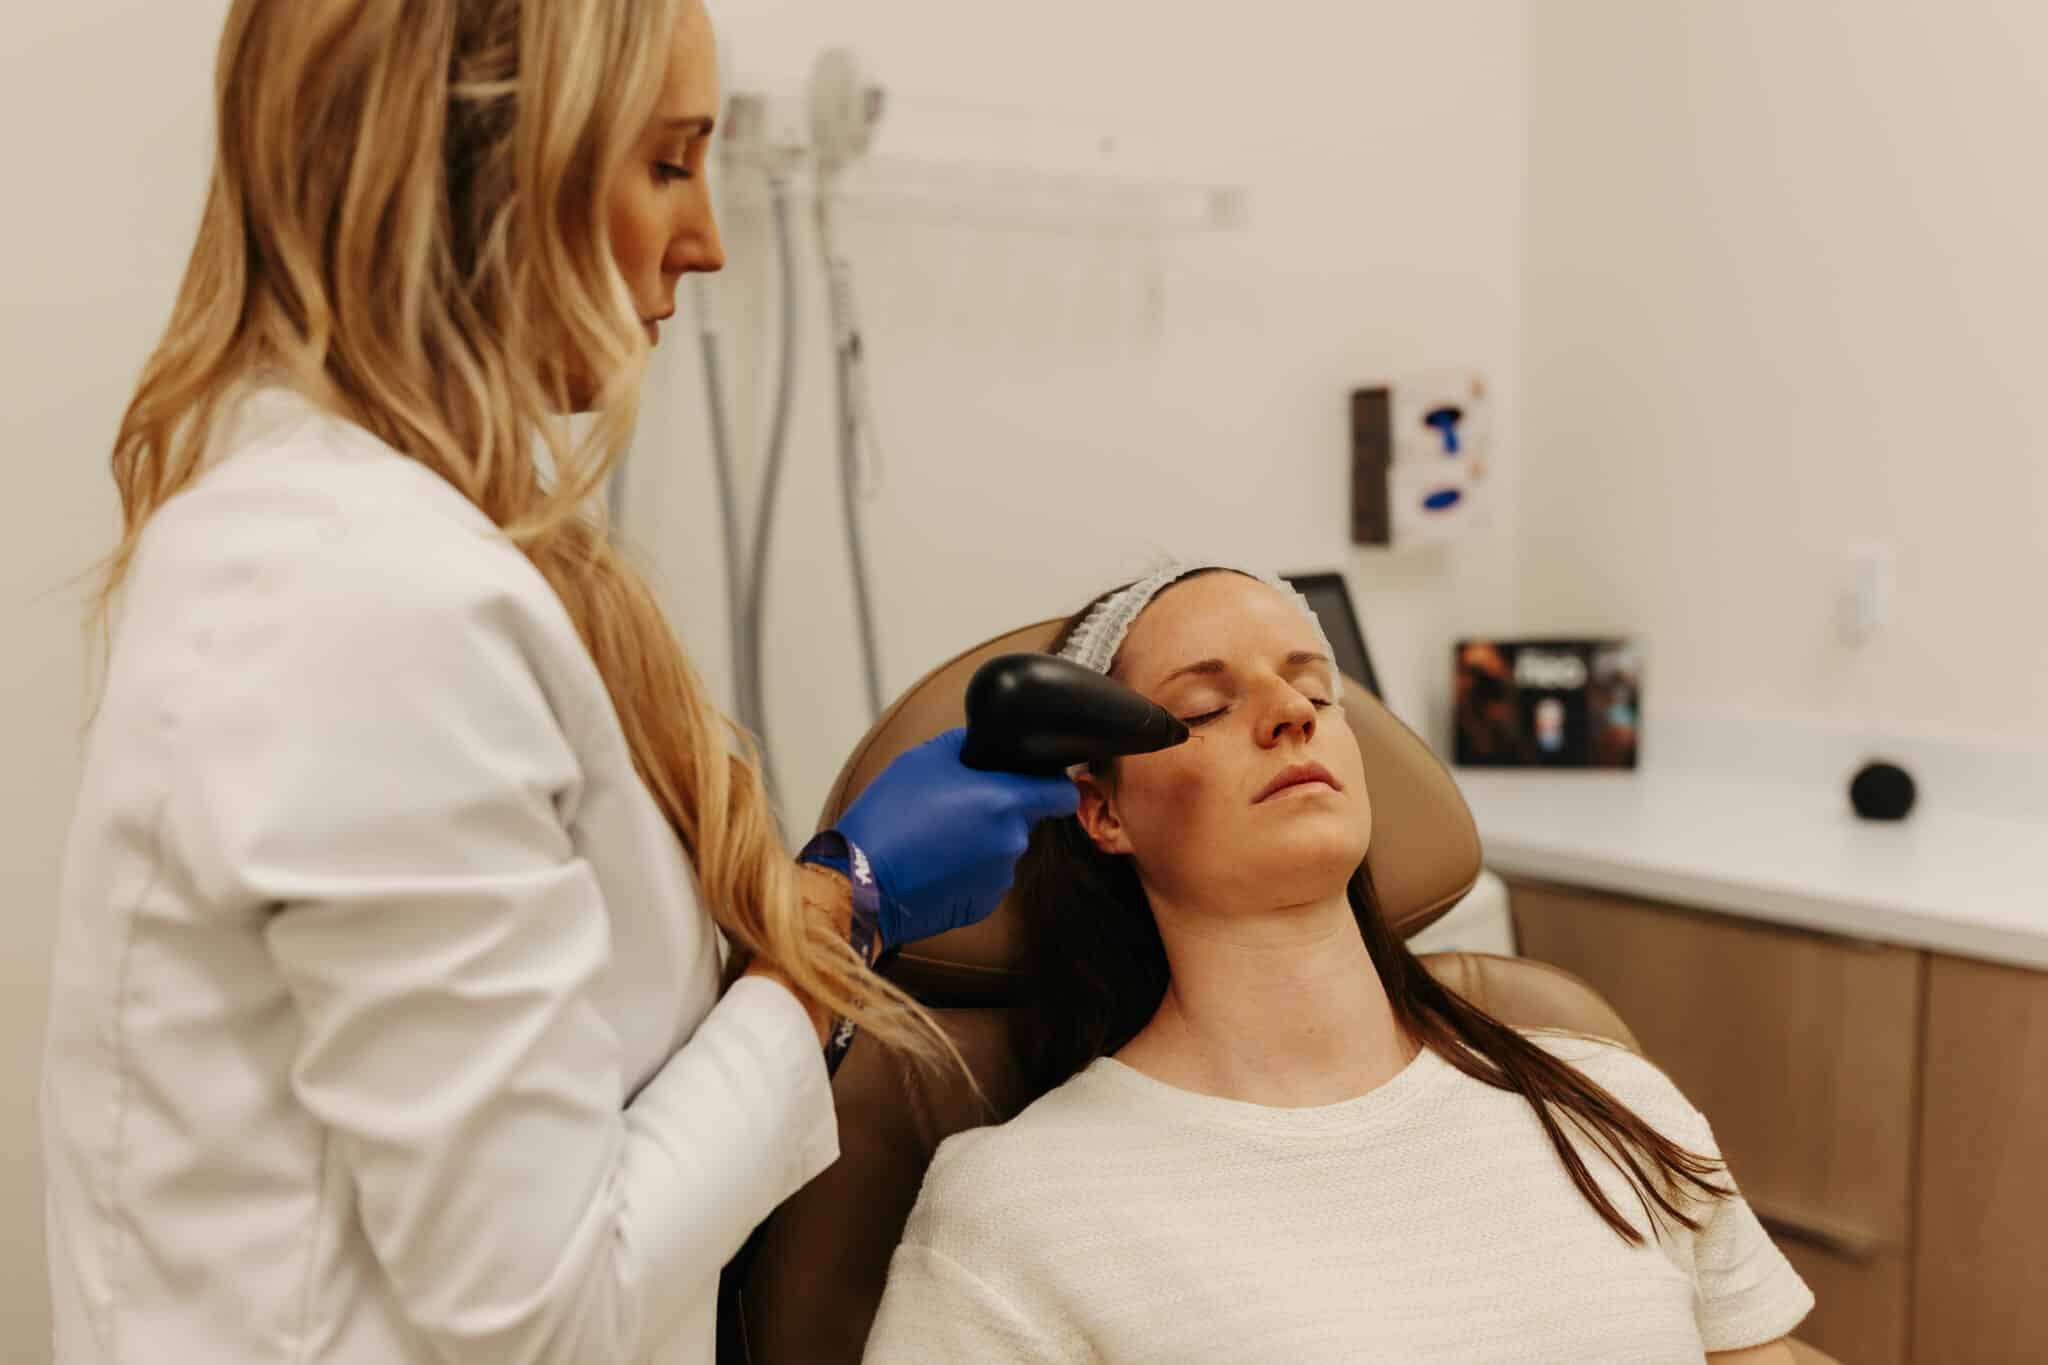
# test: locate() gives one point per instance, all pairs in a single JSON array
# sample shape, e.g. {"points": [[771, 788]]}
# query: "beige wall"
{"points": [[104, 107], [1787, 291], [1051, 423]]}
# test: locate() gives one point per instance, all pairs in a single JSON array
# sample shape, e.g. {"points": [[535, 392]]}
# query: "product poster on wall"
{"points": [[1547, 703]]}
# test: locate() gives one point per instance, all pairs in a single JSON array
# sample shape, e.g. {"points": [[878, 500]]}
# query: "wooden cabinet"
{"points": [[1981, 1264], [1803, 1052]]}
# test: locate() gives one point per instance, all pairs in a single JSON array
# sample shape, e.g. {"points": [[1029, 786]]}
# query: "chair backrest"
{"points": [[810, 1292]]}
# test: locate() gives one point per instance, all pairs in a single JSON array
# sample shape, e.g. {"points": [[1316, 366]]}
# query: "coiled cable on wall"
{"points": [[753, 697], [855, 421], [709, 345], [747, 556]]}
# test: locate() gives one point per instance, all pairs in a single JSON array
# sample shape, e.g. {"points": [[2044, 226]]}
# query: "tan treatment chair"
{"points": [[808, 1296]]}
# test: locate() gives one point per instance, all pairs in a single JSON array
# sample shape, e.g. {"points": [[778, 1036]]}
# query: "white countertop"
{"points": [[1951, 878]]}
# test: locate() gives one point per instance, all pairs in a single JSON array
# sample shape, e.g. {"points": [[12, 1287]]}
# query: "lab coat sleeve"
{"points": [[368, 751]]}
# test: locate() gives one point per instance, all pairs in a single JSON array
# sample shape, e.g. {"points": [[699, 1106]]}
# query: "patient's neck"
{"points": [[1281, 1008]]}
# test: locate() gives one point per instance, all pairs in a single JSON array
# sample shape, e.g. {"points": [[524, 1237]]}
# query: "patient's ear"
{"points": [[1098, 815]]}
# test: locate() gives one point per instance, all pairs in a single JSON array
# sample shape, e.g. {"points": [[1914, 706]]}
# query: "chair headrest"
{"points": [[1424, 856]]}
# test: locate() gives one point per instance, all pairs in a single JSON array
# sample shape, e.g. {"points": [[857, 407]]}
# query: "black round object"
{"points": [[1882, 791]]}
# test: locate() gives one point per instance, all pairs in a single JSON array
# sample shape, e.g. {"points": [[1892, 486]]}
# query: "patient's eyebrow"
{"points": [[1207, 667], [1300, 658]]}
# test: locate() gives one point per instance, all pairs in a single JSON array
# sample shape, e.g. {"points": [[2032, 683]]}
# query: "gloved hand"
{"points": [[943, 839]]}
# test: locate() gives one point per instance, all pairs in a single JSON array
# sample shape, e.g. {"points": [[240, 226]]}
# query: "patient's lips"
{"points": [[1299, 776]]}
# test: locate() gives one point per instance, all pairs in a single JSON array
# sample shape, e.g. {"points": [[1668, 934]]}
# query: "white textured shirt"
{"points": [[1121, 1220], [385, 1023]]}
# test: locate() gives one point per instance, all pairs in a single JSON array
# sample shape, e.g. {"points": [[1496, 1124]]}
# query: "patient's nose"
{"points": [[1291, 712]]}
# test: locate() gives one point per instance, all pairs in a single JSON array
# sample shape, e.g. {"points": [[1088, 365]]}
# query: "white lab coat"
{"points": [[384, 1024]]}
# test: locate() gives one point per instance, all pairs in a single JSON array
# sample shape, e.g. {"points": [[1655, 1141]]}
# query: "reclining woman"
{"points": [[1274, 1136]]}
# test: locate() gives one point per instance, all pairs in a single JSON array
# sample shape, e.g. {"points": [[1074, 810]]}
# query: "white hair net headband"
{"points": [[1096, 640]]}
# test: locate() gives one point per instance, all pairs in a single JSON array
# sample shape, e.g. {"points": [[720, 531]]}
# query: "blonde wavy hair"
{"points": [[407, 223]]}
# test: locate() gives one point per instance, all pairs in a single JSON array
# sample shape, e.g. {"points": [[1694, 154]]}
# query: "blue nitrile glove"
{"points": [[943, 839]]}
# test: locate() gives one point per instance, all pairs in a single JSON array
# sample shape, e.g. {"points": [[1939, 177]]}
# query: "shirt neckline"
{"points": [[1393, 1102]]}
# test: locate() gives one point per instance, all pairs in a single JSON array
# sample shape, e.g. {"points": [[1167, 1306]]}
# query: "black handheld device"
{"points": [[1039, 715]]}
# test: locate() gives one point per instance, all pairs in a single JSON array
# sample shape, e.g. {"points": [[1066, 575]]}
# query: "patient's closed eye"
{"points": [[1320, 703]]}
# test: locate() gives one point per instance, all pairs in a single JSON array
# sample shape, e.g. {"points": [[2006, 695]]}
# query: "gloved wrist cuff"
{"points": [[823, 851], [834, 850]]}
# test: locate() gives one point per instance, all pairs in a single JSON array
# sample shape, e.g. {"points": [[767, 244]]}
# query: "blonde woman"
{"points": [[391, 1019]]}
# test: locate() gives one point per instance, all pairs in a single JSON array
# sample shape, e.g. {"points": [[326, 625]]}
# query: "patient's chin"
{"points": [[1310, 863]]}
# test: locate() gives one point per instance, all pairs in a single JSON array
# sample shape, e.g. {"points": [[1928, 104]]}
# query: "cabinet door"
{"points": [[1981, 1268], [1801, 1050]]}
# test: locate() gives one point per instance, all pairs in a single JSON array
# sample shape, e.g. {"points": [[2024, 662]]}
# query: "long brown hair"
{"points": [[1099, 970], [406, 223]]}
